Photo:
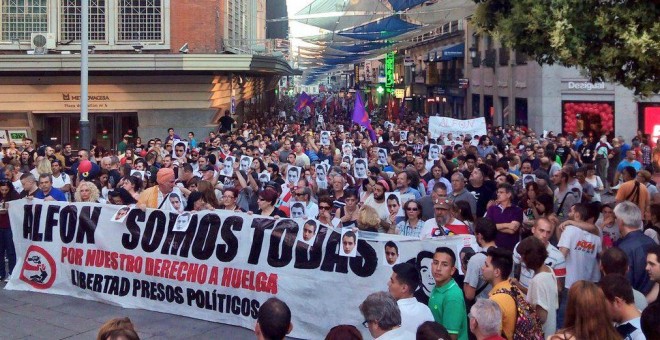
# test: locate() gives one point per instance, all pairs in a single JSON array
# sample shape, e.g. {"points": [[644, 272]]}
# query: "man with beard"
{"points": [[519, 187], [377, 200], [444, 223]]}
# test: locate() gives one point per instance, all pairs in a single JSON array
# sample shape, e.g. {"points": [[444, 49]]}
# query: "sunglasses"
{"points": [[324, 207], [412, 209]]}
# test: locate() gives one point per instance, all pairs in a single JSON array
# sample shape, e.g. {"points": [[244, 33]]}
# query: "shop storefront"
{"points": [[139, 95], [650, 120]]}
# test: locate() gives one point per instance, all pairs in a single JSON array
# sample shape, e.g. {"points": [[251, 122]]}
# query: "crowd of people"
{"points": [[567, 225]]}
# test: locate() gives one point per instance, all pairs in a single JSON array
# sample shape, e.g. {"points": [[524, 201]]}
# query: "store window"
{"points": [[591, 118], [21, 18], [521, 112], [489, 109], [70, 20], [140, 20]]}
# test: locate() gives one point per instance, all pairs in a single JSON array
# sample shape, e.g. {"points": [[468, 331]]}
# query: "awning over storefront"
{"points": [[453, 52]]}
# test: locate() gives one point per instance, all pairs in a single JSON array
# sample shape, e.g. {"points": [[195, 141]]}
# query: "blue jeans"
{"points": [[561, 311], [7, 248]]}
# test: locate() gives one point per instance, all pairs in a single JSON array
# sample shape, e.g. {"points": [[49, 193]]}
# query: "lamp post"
{"points": [[85, 134]]}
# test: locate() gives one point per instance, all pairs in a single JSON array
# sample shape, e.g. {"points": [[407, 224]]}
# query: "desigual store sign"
{"points": [[585, 86]]}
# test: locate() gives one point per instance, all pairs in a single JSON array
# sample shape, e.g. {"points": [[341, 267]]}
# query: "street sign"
{"points": [[464, 83]]}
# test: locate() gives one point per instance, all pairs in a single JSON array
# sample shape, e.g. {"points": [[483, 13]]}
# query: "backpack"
{"points": [[528, 326]]}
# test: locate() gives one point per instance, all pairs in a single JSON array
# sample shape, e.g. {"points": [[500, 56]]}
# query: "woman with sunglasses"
{"points": [[7, 193], [325, 210], [412, 222], [266, 204]]}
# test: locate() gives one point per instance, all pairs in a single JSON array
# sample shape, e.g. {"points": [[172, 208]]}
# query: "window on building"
{"points": [[21, 18], [140, 20], [70, 20]]}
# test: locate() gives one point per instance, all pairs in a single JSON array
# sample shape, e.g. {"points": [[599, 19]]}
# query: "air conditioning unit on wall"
{"points": [[42, 42]]}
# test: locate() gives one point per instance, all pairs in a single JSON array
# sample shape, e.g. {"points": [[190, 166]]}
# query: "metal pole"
{"points": [[85, 134]]}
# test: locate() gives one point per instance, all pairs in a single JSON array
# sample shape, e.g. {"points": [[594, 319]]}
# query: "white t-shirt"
{"points": [[543, 292], [555, 260], [64, 179], [581, 261], [381, 208], [430, 228], [413, 314], [474, 275]]}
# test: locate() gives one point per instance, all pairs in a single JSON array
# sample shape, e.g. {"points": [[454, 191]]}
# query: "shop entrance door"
{"points": [[107, 129]]}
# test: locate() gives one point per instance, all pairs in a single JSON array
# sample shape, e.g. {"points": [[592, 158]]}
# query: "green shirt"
{"points": [[448, 308]]}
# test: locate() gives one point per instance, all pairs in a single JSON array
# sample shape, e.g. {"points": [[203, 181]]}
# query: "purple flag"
{"points": [[360, 116], [303, 100]]}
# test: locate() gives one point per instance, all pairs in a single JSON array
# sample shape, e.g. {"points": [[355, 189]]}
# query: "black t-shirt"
{"points": [[483, 194], [586, 153], [24, 193], [563, 152], [276, 212]]}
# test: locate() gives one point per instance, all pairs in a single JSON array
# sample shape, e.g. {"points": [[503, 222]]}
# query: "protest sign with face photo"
{"points": [[528, 179], [324, 139], [347, 149], [297, 209], [321, 173], [382, 156], [391, 253], [182, 221], [121, 214], [349, 241], [228, 169], [403, 135], [308, 232], [360, 168], [264, 178], [246, 161], [394, 204], [293, 175], [434, 152], [139, 174]]}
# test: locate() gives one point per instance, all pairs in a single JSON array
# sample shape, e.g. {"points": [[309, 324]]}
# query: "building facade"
{"points": [[507, 87], [154, 64]]}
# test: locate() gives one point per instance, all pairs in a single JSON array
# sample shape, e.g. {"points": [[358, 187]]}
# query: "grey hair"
{"points": [[629, 214], [382, 308], [488, 315], [459, 175]]}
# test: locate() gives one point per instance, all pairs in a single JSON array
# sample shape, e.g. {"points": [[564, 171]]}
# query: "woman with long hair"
{"points": [[27, 162], [206, 188], [587, 315], [412, 220], [652, 227], [133, 185]]}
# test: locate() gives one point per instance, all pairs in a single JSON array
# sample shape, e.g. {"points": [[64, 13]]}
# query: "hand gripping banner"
{"points": [[213, 265]]}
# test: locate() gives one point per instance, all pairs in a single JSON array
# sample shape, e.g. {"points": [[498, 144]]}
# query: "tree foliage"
{"points": [[612, 40]]}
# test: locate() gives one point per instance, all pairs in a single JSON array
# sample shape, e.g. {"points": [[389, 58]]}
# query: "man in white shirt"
{"points": [[444, 223], [382, 317], [580, 248], [621, 305], [402, 285], [61, 180], [543, 229]]}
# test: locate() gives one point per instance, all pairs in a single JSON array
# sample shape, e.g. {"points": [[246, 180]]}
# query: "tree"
{"points": [[612, 40]]}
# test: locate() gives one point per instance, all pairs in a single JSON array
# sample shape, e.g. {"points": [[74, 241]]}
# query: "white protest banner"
{"points": [[220, 269], [441, 126]]}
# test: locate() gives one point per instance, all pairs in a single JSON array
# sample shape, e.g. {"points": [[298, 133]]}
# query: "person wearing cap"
{"points": [[444, 223], [156, 197]]}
